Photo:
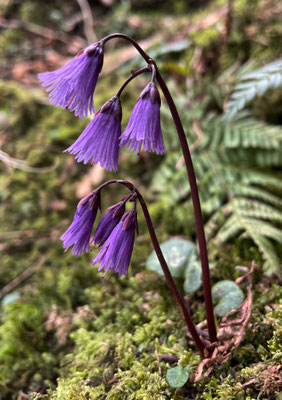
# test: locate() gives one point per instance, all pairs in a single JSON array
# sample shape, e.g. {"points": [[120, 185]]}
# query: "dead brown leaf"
{"points": [[60, 322], [231, 331], [92, 179]]}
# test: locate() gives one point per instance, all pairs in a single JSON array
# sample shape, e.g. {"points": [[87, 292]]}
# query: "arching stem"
{"points": [[170, 281], [172, 286], [197, 209], [129, 79], [192, 182]]}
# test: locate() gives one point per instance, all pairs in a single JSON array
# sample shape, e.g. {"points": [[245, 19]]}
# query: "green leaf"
{"points": [[177, 376], [10, 298], [193, 276], [227, 295], [177, 253]]}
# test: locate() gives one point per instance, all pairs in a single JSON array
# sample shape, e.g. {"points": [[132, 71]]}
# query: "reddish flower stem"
{"points": [[192, 181], [172, 286], [196, 206], [129, 79]]}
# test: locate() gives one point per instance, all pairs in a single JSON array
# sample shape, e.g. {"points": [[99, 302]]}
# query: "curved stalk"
{"points": [[170, 280], [172, 286], [129, 39], [129, 79], [196, 206], [192, 182]]}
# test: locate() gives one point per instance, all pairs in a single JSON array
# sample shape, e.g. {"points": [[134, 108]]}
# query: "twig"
{"points": [[158, 359], [169, 358], [113, 380], [88, 21], [22, 277], [231, 332], [22, 164], [41, 31], [22, 395]]}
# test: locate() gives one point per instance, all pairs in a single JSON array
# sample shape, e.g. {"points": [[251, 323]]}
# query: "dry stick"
{"points": [[22, 277], [88, 21], [169, 358], [23, 165], [192, 181], [172, 286], [41, 31]]}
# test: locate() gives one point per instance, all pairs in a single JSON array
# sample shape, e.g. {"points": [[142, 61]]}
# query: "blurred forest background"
{"points": [[66, 333]]}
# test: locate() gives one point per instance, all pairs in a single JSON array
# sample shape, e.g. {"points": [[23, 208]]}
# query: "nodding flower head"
{"points": [[79, 232], [99, 142], [108, 223], [116, 252], [144, 125], [73, 85]]}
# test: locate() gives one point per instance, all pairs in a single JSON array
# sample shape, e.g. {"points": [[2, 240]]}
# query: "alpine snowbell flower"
{"points": [[108, 223], [99, 142], [73, 85], [116, 252], [78, 234], [144, 126]]}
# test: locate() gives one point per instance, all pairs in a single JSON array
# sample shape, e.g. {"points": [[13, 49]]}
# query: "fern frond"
{"points": [[230, 229], [254, 84], [257, 231], [252, 192], [255, 209], [265, 229], [238, 190], [251, 177], [272, 264], [251, 133]]}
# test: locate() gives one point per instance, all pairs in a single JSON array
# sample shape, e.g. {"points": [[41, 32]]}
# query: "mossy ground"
{"points": [[75, 335]]}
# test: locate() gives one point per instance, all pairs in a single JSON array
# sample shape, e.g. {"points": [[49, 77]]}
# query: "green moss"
{"points": [[9, 40], [205, 37], [275, 343], [24, 352], [77, 389], [138, 383]]}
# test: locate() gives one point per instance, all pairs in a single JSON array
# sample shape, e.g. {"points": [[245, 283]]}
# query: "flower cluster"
{"points": [[115, 232], [72, 87]]}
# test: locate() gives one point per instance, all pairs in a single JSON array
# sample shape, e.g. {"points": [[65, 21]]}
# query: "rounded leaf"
{"points": [[193, 278], [177, 376], [10, 298], [177, 253], [228, 295]]}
